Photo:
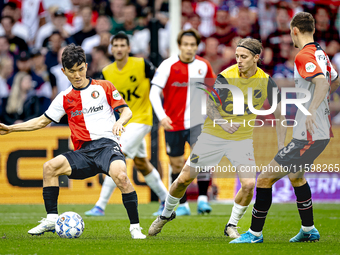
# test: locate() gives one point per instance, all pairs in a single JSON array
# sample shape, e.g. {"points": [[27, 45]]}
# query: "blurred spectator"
{"points": [[130, 24], [6, 70], [267, 13], [4, 47], [284, 72], [117, 18], [16, 43], [229, 53], [103, 27], [74, 17], [88, 30], [206, 10], [42, 88], [19, 29], [272, 55], [325, 34], [224, 29], [100, 59], [56, 42], [58, 79], [194, 21], [211, 54], [187, 9], [244, 25], [33, 16], [38, 65], [58, 23], [23, 103]]}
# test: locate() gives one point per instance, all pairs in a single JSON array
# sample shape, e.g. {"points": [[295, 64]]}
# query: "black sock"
{"points": [[260, 209], [50, 195], [184, 198], [203, 187], [304, 204], [130, 202]]}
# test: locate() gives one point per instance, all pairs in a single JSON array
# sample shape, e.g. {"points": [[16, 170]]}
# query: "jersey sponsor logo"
{"points": [[178, 84], [92, 109], [116, 95], [310, 67], [194, 158], [129, 94], [95, 94]]}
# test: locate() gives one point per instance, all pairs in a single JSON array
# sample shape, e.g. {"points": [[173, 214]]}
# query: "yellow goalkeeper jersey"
{"points": [[133, 83], [261, 84]]}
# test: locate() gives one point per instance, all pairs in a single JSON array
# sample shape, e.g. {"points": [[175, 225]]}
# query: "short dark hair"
{"points": [[101, 48], [304, 21], [8, 17], [72, 55], [120, 35], [190, 32]]}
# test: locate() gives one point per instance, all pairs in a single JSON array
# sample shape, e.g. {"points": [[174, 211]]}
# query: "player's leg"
{"points": [[177, 190], [175, 143], [51, 170], [118, 174]]}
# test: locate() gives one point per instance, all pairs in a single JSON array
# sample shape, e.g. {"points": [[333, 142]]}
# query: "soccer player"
{"points": [[131, 76], [172, 79], [89, 105], [228, 134], [313, 72]]}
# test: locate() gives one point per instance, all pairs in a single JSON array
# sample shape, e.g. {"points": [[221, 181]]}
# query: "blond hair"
{"points": [[16, 100]]}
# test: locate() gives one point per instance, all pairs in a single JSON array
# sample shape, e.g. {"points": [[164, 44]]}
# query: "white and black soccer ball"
{"points": [[69, 225]]}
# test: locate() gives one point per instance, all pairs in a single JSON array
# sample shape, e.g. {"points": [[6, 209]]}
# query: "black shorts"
{"points": [[175, 141], [300, 154], [93, 157]]}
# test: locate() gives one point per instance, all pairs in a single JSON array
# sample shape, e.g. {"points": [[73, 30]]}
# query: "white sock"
{"points": [[108, 187], [186, 205], [132, 226], [202, 198], [237, 213], [170, 204], [307, 229], [52, 216], [154, 181], [258, 234]]}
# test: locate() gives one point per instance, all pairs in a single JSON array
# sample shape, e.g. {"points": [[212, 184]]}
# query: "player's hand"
{"points": [[118, 128], [4, 129], [166, 123], [310, 121], [230, 128]]}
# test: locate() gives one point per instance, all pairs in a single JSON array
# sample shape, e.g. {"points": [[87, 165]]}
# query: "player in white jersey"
{"points": [[313, 72], [89, 105]]}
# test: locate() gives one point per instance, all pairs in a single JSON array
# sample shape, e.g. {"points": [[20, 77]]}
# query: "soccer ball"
{"points": [[69, 225]]}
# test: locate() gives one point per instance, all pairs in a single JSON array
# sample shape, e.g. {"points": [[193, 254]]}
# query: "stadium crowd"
{"points": [[33, 37]]}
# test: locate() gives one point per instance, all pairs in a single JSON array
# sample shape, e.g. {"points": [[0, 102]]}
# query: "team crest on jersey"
{"points": [[194, 158], [133, 78], [116, 95], [95, 94], [200, 71], [310, 67], [257, 93]]}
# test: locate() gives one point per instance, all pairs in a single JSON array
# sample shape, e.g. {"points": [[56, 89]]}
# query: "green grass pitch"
{"points": [[185, 235]]}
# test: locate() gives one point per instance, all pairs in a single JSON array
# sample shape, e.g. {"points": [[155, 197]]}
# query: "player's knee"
{"points": [[248, 185], [142, 166], [48, 170], [265, 182], [297, 182], [122, 180]]}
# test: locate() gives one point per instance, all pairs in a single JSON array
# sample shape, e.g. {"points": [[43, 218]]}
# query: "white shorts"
{"points": [[132, 140], [209, 150]]}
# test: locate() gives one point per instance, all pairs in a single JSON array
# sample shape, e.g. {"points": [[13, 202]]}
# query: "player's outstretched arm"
{"points": [[321, 89], [125, 116], [30, 125], [334, 85], [280, 129]]}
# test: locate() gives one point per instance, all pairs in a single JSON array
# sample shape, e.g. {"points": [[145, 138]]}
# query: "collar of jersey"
{"points": [[90, 80], [187, 62], [311, 43]]}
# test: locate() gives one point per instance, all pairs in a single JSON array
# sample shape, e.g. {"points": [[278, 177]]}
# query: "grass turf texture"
{"points": [[185, 235]]}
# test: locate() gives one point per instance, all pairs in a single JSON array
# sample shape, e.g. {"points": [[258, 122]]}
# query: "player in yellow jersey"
{"points": [[131, 76], [234, 140]]}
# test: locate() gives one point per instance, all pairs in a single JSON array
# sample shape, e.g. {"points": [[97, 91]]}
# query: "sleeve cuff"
{"points": [[50, 118]]}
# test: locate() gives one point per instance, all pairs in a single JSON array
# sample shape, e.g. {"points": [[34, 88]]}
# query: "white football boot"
{"points": [[136, 233], [46, 225], [157, 225], [231, 231]]}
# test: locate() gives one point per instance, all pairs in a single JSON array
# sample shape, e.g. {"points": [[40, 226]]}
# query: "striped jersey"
{"points": [[310, 62], [179, 82], [90, 111]]}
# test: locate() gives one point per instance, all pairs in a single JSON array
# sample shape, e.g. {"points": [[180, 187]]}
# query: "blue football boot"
{"points": [[310, 236], [248, 238], [95, 211]]}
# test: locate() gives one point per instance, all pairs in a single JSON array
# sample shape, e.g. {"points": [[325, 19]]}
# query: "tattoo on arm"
{"points": [[212, 111]]}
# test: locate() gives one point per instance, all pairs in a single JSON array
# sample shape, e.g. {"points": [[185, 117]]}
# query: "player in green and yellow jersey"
{"points": [[227, 134], [131, 76]]}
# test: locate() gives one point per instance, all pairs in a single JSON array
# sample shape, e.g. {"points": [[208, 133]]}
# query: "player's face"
{"points": [[188, 48], [245, 60], [77, 75], [120, 49]]}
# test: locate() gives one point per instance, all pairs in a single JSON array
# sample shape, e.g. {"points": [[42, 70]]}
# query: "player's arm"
{"points": [[212, 108], [320, 92], [280, 129], [156, 101], [125, 116], [334, 85], [30, 125]]}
